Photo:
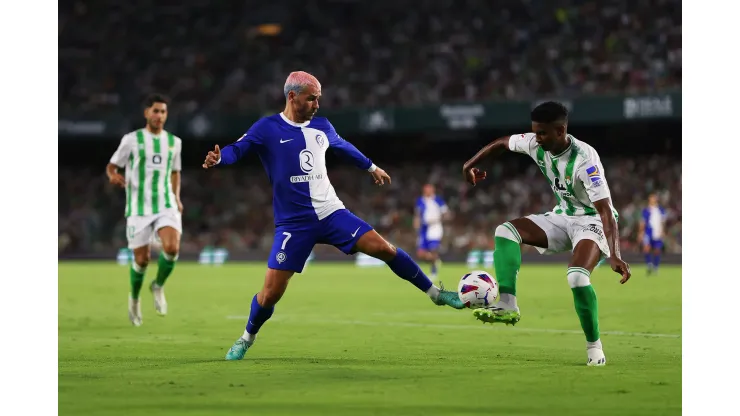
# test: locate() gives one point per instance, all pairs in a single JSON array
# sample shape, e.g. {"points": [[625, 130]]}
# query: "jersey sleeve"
{"points": [[645, 214], [123, 152], [523, 143], [346, 150], [418, 206], [237, 150], [442, 206], [177, 162], [590, 173]]}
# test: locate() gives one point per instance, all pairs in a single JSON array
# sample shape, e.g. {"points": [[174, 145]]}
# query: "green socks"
{"points": [[507, 258], [166, 265], [136, 274], [584, 297]]}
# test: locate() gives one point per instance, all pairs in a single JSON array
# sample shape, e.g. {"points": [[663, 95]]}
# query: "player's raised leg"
{"points": [[170, 238], [136, 276], [372, 244], [507, 259], [585, 257]]}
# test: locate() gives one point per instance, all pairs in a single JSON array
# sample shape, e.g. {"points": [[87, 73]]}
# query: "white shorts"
{"points": [[141, 230], [565, 232]]}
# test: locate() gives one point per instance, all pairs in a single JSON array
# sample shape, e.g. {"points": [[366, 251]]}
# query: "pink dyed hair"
{"points": [[298, 80]]}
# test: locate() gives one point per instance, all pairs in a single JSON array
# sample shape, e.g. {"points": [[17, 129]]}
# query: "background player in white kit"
{"points": [[151, 158], [583, 222], [429, 212]]}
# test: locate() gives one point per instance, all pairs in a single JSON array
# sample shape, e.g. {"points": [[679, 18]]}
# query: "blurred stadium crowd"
{"points": [[233, 56], [91, 211]]}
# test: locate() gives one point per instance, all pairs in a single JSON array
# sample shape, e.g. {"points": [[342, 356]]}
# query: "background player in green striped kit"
{"points": [[151, 158], [584, 220]]}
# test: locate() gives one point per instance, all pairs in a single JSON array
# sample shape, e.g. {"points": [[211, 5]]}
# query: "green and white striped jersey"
{"points": [[149, 161], [576, 176]]}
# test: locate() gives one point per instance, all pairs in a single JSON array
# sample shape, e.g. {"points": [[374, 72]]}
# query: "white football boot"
{"points": [[596, 357], [134, 311], [160, 303]]}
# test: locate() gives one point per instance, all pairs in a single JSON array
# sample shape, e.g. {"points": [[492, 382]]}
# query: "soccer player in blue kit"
{"points": [[429, 212], [651, 231], [291, 146]]}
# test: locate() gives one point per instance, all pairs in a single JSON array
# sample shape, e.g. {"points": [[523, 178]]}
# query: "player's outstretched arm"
{"points": [[231, 153], [495, 148], [348, 152], [604, 208]]}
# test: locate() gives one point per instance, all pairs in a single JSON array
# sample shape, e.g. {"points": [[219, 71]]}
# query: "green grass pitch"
{"points": [[351, 341]]}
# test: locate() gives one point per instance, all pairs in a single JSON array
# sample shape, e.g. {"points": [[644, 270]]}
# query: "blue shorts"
{"points": [[293, 242], [655, 244], [427, 245]]}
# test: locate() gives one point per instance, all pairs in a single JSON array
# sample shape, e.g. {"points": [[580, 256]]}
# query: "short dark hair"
{"points": [[155, 98], [550, 112]]}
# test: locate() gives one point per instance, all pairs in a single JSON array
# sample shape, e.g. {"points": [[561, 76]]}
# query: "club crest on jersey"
{"points": [[567, 180], [320, 140]]}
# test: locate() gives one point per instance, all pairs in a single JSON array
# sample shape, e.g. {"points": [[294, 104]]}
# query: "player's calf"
{"points": [[404, 267], [586, 305]]}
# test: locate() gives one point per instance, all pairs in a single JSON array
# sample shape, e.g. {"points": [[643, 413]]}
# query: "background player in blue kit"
{"points": [[652, 227], [429, 212], [291, 146]]}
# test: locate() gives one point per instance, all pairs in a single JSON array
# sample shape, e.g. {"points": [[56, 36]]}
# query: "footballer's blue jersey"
{"points": [[293, 155]]}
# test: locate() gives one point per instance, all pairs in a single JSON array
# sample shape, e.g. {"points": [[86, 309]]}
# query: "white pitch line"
{"points": [[466, 327]]}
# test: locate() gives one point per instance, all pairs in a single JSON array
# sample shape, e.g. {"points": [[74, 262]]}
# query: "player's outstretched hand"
{"points": [[621, 267], [212, 158], [117, 179], [380, 176], [474, 175]]}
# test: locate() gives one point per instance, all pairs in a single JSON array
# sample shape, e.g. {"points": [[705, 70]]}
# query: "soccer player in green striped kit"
{"points": [[584, 220], [151, 158]]}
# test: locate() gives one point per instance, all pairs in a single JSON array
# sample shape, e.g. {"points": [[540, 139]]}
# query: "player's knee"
{"points": [[142, 259], [381, 249], [171, 249], [578, 277], [506, 232]]}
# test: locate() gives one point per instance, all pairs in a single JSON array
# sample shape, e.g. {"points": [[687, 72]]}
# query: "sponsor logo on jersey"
{"points": [[594, 174], [307, 178], [306, 160]]}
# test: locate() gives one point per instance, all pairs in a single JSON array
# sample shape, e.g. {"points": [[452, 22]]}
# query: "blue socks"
{"points": [[656, 261], [434, 268], [258, 316], [405, 268], [649, 259]]}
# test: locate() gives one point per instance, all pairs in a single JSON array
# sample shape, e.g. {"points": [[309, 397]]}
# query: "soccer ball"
{"points": [[478, 289]]}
